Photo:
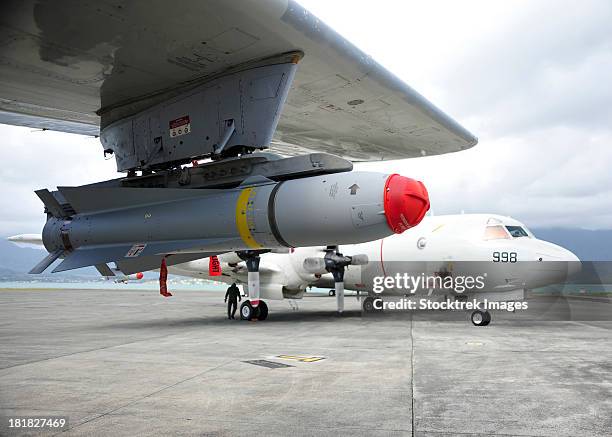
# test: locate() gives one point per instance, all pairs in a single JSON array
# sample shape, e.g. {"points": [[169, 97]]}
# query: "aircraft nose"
{"points": [[552, 252], [573, 262], [560, 262]]}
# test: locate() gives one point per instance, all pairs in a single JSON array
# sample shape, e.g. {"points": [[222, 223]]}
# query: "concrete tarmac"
{"points": [[133, 363]]}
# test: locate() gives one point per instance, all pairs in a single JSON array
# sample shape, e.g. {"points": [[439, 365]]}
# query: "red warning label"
{"points": [[214, 266], [180, 126]]}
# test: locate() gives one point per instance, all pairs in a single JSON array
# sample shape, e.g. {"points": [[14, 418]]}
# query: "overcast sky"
{"points": [[532, 79]]}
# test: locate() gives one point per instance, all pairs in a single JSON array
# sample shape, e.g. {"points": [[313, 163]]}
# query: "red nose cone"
{"points": [[139, 275], [406, 202]]}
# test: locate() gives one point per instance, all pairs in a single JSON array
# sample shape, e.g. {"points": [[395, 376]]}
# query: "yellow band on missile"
{"points": [[243, 205]]}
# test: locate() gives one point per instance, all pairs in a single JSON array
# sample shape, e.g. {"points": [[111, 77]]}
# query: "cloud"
{"points": [[529, 78], [547, 66], [35, 159], [554, 177]]}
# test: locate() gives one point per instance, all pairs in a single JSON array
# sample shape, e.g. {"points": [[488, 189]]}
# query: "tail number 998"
{"points": [[504, 257]]}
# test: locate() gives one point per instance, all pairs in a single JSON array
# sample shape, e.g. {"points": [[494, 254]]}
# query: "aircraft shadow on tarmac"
{"points": [[542, 309], [278, 316]]}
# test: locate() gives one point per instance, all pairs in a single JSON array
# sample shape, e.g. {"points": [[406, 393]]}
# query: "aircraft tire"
{"points": [[488, 318], [263, 310], [480, 318], [246, 311], [368, 305]]}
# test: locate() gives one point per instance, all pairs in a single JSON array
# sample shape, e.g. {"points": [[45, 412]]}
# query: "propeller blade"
{"points": [[339, 286], [359, 260]]}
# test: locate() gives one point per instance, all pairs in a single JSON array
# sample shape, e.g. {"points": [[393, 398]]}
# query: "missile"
{"points": [[126, 279], [92, 225], [33, 239]]}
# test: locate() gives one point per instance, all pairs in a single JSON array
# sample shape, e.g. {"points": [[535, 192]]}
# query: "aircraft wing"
{"points": [[62, 64]]}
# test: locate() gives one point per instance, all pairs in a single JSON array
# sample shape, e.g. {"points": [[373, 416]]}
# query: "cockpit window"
{"points": [[497, 232], [517, 231]]}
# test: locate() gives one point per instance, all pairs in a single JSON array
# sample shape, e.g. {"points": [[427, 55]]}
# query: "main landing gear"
{"points": [[253, 308], [368, 305], [248, 312], [481, 318]]}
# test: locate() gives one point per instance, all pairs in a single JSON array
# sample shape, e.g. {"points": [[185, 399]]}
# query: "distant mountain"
{"points": [[16, 261], [587, 245]]}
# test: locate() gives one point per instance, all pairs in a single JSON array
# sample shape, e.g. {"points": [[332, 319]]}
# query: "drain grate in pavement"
{"points": [[266, 363]]}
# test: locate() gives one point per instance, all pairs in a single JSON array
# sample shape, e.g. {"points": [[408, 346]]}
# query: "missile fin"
{"points": [[104, 269], [51, 203], [46, 262], [98, 199], [95, 255], [91, 256], [146, 263]]}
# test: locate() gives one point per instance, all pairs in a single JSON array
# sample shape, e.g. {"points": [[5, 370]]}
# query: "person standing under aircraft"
{"points": [[233, 293]]}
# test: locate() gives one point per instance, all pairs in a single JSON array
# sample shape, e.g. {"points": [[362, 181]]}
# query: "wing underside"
{"points": [[61, 74]]}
